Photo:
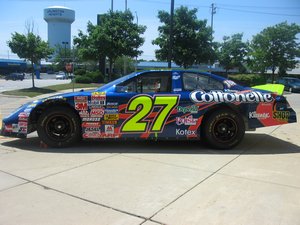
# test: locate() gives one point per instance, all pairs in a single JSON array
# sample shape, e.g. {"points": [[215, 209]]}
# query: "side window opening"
{"points": [[194, 81], [128, 86], [154, 83], [147, 83]]}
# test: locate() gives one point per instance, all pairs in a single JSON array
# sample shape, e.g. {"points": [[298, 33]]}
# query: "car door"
{"points": [[190, 113], [147, 105]]}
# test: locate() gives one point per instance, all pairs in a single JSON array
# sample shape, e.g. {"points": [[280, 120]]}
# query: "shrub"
{"points": [[248, 79], [95, 76], [79, 72], [83, 80], [90, 77]]}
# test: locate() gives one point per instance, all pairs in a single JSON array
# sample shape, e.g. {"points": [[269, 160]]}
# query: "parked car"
{"points": [[291, 84], [15, 76], [179, 105], [60, 75]]}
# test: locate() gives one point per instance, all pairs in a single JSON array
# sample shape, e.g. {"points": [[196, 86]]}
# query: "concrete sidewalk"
{"points": [[153, 182]]}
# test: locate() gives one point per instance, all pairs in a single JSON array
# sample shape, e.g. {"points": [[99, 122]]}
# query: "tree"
{"points": [[275, 47], [30, 47], [191, 38], [128, 62], [63, 55], [232, 52], [116, 36]]}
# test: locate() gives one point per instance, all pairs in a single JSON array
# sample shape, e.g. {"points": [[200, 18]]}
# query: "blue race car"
{"points": [[153, 105]]}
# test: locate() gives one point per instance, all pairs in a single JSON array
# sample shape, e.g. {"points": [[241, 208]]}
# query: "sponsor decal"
{"points": [[189, 121], [109, 122], [91, 124], [191, 109], [255, 115], [84, 113], [91, 119], [23, 116], [15, 128], [22, 124], [103, 135], [96, 104], [177, 89], [229, 83], [91, 129], [175, 77], [111, 117], [185, 132], [99, 96], [219, 96], [111, 111], [97, 112], [109, 129], [8, 128], [112, 105], [98, 99], [94, 134], [23, 130], [80, 98], [81, 106], [281, 115]]}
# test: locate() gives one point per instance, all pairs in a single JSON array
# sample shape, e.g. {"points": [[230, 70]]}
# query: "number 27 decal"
{"points": [[142, 106]]}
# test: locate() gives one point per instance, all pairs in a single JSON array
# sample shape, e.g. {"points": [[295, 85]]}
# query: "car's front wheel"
{"points": [[223, 129], [59, 126]]}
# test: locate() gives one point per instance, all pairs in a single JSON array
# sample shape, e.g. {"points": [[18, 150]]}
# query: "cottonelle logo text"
{"points": [[219, 96]]}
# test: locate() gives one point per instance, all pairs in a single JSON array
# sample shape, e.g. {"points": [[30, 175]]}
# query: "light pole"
{"points": [[213, 11], [137, 22], [65, 43], [171, 35]]}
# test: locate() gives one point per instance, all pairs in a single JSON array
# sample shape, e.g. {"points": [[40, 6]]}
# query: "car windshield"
{"points": [[114, 82]]}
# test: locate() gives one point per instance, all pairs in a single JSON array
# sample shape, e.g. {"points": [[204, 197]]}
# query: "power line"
{"points": [[259, 12], [235, 8], [261, 7]]}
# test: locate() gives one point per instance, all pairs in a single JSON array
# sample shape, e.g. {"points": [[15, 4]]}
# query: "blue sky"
{"points": [[232, 16]]}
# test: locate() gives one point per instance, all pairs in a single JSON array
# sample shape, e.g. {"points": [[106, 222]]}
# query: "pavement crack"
{"points": [[90, 201], [211, 175]]}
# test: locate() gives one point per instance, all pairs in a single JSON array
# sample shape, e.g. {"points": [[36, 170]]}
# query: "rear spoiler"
{"points": [[274, 88]]}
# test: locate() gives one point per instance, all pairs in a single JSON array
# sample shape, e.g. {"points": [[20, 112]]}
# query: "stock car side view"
{"points": [[153, 105]]}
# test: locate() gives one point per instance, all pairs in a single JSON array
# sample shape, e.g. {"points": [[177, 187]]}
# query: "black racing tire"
{"points": [[59, 126], [223, 129]]}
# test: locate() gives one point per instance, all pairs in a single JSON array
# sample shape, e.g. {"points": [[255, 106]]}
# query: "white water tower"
{"points": [[59, 21]]}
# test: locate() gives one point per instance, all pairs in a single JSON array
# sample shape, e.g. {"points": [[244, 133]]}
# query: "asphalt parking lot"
{"points": [[152, 182], [46, 80]]}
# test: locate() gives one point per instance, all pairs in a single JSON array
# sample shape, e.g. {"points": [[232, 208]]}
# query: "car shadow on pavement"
{"points": [[252, 144]]}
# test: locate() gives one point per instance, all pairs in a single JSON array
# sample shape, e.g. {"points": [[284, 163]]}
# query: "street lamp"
{"points": [[65, 43]]}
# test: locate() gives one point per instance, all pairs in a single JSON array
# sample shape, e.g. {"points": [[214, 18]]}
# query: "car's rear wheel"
{"points": [[223, 129], [59, 126]]}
